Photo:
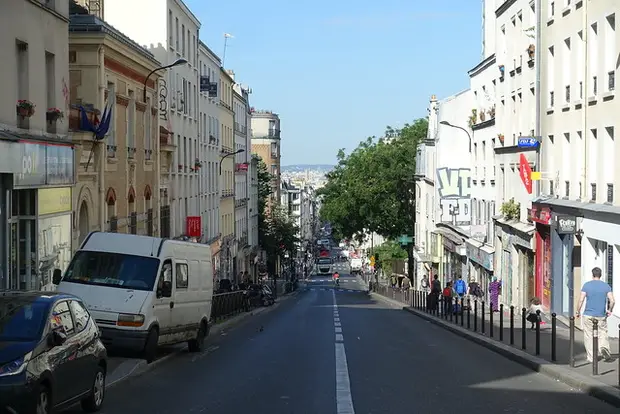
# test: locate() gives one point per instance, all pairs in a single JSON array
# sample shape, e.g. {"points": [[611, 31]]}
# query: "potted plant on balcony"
{"points": [[491, 112], [511, 210], [53, 114], [473, 117], [500, 137], [25, 108], [531, 50], [483, 116]]}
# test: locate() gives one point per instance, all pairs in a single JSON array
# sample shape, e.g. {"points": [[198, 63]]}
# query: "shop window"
{"points": [[610, 265]]}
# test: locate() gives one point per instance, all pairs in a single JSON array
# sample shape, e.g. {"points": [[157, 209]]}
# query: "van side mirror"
{"points": [[56, 338], [56, 276], [166, 290]]}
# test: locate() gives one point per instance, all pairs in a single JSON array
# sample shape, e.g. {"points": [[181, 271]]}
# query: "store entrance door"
{"points": [[22, 241]]}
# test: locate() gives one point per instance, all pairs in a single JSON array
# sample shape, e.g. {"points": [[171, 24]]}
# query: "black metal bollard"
{"points": [[523, 328], [594, 347], [512, 325], [462, 311], [571, 341], [554, 332], [475, 315], [501, 322], [491, 330], [450, 307], [537, 332], [468, 313], [482, 327]]}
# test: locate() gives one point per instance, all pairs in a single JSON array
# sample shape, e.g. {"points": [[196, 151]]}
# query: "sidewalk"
{"points": [[608, 372]]}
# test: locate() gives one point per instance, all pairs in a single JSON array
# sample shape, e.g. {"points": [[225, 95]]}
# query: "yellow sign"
{"points": [[536, 175], [54, 200], [372, 260]]}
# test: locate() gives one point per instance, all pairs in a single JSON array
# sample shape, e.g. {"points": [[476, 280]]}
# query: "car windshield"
{"points": [[324, 261], [113, 270], [22, 319]]}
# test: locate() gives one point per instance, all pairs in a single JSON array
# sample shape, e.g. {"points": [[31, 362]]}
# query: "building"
{"points": [[253, 213], [308, 216], [117, 172], [290, 200], [171, 32], [577, 215], [443, 181], [227, 177], [36, 154], [210, 147], [241, 109], [514, 78], [266, 144]]}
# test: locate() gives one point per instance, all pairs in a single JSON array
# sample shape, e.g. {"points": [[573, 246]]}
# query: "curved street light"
{"points": [[177, 62], [446, 123], [239, 151]]}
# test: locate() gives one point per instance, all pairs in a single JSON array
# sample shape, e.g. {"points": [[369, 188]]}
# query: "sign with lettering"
{"points": [[566, 224], [525, 172], [477, 255], [540, 214], [32, 173], [163, 99], [449, 245], [54, 200], [59, 165], [193, 226], [454, 182]]}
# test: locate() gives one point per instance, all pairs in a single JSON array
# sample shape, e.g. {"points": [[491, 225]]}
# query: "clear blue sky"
{"points": [[338, 71]]}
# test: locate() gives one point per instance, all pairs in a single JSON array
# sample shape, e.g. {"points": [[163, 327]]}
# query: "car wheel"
{"points": [[198, 344], [150, 347], [94, 401], [44, 401]]}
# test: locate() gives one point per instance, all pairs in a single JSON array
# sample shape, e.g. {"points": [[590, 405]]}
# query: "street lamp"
{"points": [[446, 123], [239, 151], [177, 62]]}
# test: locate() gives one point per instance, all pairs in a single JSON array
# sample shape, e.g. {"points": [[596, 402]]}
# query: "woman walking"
{"points": [[495, 288]]}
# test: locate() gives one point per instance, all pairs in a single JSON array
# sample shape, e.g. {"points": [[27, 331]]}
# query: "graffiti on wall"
{"points": [[454, 195]]}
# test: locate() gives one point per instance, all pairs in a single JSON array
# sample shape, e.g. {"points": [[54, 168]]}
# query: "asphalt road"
{"points": [[310, 356]]}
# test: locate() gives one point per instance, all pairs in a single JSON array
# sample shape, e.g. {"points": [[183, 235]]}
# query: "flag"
{"points": [[228, 35]]}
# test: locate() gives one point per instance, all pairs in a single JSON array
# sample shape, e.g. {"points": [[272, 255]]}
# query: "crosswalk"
{"points": [[337, 290], [331, 280]]}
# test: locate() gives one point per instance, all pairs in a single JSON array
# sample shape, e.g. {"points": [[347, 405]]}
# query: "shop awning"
{"points": [[421, 257], [481, 246], [525, 228], [450, 235]]}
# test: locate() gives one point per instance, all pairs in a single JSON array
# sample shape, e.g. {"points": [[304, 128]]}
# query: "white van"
{"points": [[143, 291]]}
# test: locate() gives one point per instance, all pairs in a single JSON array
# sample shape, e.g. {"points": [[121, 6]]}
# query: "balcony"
{"points": [[242, 129], [165, 140], [274, 133], [227, 193], [78, 135]]}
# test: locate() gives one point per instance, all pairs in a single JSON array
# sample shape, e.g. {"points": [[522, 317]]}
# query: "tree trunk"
{"points": [[410, 263]]}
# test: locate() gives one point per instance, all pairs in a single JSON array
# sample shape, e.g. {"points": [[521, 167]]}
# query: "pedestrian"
{"points": [[460, 287], [447, 298], [599, 304], [532, 315], [424, 283], [495, 289], [433, 296], [406, 283]]}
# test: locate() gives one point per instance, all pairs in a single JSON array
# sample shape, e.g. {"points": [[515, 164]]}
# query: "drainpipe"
{"points": [[539, 95], [584, 105], [101, 144]]}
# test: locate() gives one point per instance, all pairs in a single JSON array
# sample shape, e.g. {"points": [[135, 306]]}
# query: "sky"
{"points": [[338, 71]]}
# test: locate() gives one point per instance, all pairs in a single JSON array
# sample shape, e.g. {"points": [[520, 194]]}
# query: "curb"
{"points": [[592, 387], [142, 366]]}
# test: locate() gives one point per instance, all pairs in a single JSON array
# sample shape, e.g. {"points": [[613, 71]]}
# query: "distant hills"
{"points": [[303, 167]]}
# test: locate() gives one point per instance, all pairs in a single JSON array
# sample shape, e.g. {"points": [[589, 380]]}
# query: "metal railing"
{"points": [[228, 304]]}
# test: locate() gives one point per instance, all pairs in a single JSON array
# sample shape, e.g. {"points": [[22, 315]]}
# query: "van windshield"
{"points": [[324, 261], [113, 270]]}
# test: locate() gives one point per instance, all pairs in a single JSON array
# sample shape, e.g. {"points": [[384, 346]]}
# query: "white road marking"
{"points": [[337, 323], [344, 400], [339, 338], [336, 319], [338, 329]]}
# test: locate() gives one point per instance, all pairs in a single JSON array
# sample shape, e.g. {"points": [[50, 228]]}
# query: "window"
{"points": [[110, 137], [183, 40], [593, 192], [80, 315], [182, 275], [170, 27], [610, 193], [610, 265], [165, 275], [131, 124], [148, 130], [61, 320], [176, 30]]}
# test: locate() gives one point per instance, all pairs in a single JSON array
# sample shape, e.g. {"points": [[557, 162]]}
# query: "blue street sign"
{"points": [[527, 142]]}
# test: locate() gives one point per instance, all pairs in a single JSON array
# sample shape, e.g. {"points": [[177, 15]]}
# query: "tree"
{"points": [[373, 188], [264, 191]]}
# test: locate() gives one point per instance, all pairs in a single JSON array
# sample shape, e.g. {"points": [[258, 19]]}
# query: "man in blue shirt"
{"points": [[599, 305]]}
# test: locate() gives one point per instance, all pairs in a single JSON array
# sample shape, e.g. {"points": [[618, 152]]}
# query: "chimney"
{"points": [[231, 73], [433, 98]]}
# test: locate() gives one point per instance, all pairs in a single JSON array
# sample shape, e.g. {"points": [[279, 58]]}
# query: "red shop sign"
{"points": [[193, 226], [540, 215], [525, 172]]}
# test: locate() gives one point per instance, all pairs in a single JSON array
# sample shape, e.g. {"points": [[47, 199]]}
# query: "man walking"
{"points": [[599, 305]]}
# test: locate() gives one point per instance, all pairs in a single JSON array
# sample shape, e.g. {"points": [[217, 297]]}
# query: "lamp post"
{"points": [[446, 123], [239, 151], [177, 62]]}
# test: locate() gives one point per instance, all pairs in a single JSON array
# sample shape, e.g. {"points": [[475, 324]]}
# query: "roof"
{"points": [[89, 23], [35, 295]]}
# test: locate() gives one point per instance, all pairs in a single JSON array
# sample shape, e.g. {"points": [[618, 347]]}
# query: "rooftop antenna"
{"points": [[226, 37]]}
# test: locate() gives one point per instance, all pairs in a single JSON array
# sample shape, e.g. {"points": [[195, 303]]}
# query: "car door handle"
{"points": [[171, 305]]}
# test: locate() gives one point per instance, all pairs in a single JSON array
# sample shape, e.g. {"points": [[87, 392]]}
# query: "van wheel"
{"points": [[197, 344], [150, 346], [94, 401], [44, 400]]}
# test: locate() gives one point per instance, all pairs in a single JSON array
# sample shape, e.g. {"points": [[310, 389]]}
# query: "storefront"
{"points": [[454, 257], [36, 212], [562, 244], [215, 259], [480, 262], [543, 279]]}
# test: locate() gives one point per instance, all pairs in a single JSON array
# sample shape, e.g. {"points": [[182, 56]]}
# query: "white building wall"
{"points": [[240, 109], [171, 31], [210, 145], [253, 202]]}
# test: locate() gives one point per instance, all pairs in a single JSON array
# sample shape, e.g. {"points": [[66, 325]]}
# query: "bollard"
{"points": [[491, 322], [523, 328], [462, 310], [469, 313], [475, 315], [594, 347], [482, 327], [512, 325], [554, 328], [537, 332], [571, 342], [450, 308], [501, 322]]}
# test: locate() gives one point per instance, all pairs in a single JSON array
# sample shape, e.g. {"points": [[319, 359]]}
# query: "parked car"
{"points": [[143, 291], [51, 356]]}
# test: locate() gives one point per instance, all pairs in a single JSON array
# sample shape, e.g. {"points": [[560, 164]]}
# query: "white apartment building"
{"points": [[443, 176], [241, 109], [579, 152], [514, 77], [171, 32], [253, 213], [209, 146], [307, 214], [35, 70]]}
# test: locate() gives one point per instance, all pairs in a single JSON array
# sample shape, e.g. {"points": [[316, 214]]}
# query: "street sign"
{"points": [[404, 239], [525, 172], [527, 142]]}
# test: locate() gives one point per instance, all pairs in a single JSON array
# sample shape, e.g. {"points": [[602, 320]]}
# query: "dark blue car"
{"points": [[51, 356]]}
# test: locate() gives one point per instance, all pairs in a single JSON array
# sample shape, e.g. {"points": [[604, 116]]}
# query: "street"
{"points": [[338, 351]]}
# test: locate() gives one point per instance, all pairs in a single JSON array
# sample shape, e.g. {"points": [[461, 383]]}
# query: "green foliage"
{"points": [[372, 188], [511, 209], [389, 251]]}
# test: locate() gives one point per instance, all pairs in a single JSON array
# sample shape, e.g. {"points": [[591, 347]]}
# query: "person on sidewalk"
{"points": [[599, 305], [433, 296], [495, 289], [460, 287], [532, 316]]}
